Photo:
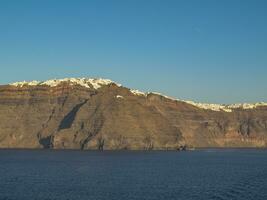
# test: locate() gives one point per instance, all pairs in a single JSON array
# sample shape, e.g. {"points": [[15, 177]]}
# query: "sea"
{"points": [[204, 174]]}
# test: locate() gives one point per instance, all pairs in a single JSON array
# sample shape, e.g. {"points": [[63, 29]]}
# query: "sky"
{"points": [[212, 51]]}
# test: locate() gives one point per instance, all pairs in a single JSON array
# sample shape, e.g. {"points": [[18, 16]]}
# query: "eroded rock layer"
{"points": [[109, 116]]}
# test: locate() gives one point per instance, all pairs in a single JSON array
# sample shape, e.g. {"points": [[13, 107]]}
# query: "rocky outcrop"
{"points": [[100, 114]]}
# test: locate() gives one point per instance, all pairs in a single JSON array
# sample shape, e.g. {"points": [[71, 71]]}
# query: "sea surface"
{"points": [[124, 175]]}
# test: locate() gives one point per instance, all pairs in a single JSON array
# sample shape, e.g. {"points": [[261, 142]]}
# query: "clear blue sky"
{"points": [[207, 51]]}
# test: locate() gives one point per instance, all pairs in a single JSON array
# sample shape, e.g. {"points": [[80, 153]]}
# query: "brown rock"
{"points": [[112, 117]]}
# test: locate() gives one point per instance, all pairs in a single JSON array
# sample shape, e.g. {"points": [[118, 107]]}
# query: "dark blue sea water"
{"points": [[202, 174]]}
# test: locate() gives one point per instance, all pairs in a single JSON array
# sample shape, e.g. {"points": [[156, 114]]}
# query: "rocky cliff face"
{"points": [[100, 114]]}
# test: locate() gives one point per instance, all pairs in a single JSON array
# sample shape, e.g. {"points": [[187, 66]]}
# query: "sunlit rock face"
{"points": [[101, 114]]}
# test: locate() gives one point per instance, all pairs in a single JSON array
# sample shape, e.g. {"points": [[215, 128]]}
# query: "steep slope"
{"points": [[100, 114]]}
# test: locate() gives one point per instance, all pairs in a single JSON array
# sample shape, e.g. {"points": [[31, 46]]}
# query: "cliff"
{"points": [[100, 114]]}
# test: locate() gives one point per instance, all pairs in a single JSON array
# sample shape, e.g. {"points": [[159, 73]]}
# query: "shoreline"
{"points": [[136, 150]]}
